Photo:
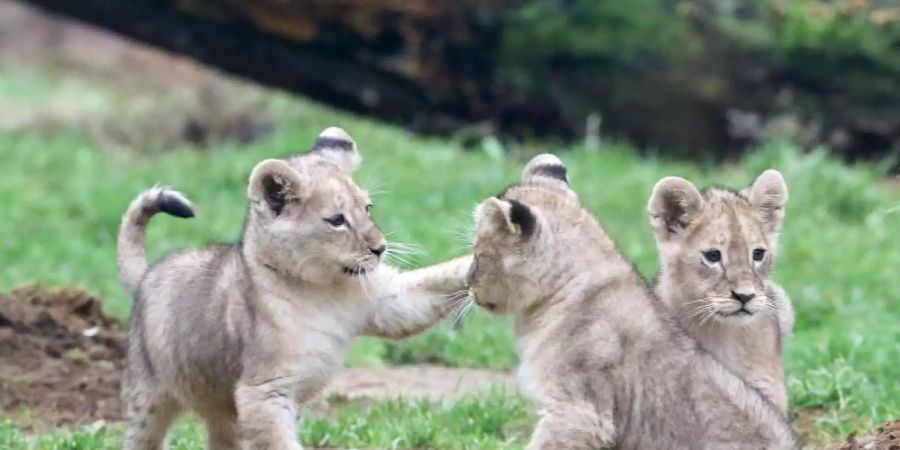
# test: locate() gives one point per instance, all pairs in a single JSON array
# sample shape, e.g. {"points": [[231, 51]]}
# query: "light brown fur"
{"points": [[706, 297], [608, 366], [242, 333]]}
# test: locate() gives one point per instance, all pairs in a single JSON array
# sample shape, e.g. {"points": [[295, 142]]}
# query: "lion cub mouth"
{"points": [[743, 312]]}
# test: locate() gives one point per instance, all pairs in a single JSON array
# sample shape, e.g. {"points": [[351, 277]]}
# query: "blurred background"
{"points": [[101, 99]]}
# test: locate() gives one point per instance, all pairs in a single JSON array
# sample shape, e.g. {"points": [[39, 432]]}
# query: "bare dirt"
{"points": [[887, 437], [61, 360], [60, 357], [425, 382]]}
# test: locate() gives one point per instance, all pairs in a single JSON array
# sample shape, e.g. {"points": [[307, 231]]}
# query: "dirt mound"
{"points": [[887, 437], [61, 358]]}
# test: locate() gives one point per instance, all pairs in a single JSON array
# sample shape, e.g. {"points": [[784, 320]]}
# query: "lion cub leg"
{"points": [[220, 419], [221, 433], [267, 415], [574, 426], [150, 413]]}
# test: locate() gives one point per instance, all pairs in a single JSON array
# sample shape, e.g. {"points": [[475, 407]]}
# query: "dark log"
{"points": [[322, 69], [664, 74]]}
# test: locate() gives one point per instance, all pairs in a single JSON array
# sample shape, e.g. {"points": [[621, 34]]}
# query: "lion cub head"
{"points": [[516, 240], [717, 247], [308, 219]]}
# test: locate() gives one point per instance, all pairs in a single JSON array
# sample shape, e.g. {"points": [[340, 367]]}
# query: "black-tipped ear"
{"points": [[673, 206], [337, 147], [521, 216], [507, 216], [769, 195], [274, 183], [547, 169]]}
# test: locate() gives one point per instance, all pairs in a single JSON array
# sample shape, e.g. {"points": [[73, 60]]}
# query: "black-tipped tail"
{"points": [[132, 260], [175, 204]]}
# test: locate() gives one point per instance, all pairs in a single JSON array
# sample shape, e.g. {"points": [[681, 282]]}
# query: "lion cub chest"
{"points": [[307, 339]]}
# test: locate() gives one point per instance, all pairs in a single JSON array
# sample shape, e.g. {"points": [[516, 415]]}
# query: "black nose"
{"points": [[378, 250], [743, 298]]}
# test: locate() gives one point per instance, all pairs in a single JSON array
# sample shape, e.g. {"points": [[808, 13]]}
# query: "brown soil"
{"points": [[887, 437], [61, 360], [60, 357]]}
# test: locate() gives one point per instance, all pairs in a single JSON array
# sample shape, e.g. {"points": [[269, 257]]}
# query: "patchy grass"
{"points": [[62, 198], [494, 421]]}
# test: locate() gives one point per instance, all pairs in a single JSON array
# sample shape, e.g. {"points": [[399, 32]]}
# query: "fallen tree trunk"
{"points": [[695, 77], [236, 45]]}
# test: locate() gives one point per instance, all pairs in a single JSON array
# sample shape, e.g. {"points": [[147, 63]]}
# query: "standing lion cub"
{"points": [[716, 249], [606, 363], [241, 333]]}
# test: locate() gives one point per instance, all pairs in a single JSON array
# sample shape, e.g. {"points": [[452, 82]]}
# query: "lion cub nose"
{"points": [[743, 298], [378, 250]]}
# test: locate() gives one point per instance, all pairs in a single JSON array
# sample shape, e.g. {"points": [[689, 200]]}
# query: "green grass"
{"points": [[62, 198], [492, 422]]}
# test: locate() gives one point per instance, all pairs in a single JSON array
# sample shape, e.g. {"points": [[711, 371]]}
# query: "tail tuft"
{"points": [[132, 259], [175, 203]]}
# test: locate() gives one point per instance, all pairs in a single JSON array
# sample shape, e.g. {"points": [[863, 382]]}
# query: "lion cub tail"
{"points": [[132, 259]]}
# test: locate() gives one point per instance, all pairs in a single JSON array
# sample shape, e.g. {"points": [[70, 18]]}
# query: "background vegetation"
{"points": [[700, 77], [63, 192], [739, 72]]}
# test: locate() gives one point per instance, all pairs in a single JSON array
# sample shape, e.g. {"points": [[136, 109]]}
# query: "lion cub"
{"points": [[603, 357], [717, 248], [241, 333]]}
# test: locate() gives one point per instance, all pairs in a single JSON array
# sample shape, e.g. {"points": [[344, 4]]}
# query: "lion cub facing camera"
{"points": [[717, 248], [241, 333], [606, 363]]}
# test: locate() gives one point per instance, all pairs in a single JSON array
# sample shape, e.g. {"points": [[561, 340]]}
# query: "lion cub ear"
{"points": [[506, 216], [335, 146], [769, 194], [273, 183], [549, 170], [674, 205]]}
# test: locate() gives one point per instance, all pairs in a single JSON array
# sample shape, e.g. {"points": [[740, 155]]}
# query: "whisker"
{"points": [[707, 317], [398, 258], [400, 246], [401, 252], [375, 188], [468, 304], [700, 310]]}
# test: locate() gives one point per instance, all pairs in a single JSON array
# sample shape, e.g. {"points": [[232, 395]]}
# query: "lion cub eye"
{"points": [[759, 254], [712, 256], [369, 208], [337, 220]]}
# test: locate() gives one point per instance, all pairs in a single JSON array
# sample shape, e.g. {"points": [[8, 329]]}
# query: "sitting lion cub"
{"points": [[241, 333], [603, 357], [717, 248]]}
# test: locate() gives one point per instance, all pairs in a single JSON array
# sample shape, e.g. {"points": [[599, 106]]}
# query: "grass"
{"points": [[493, 422], [62, 198]]}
